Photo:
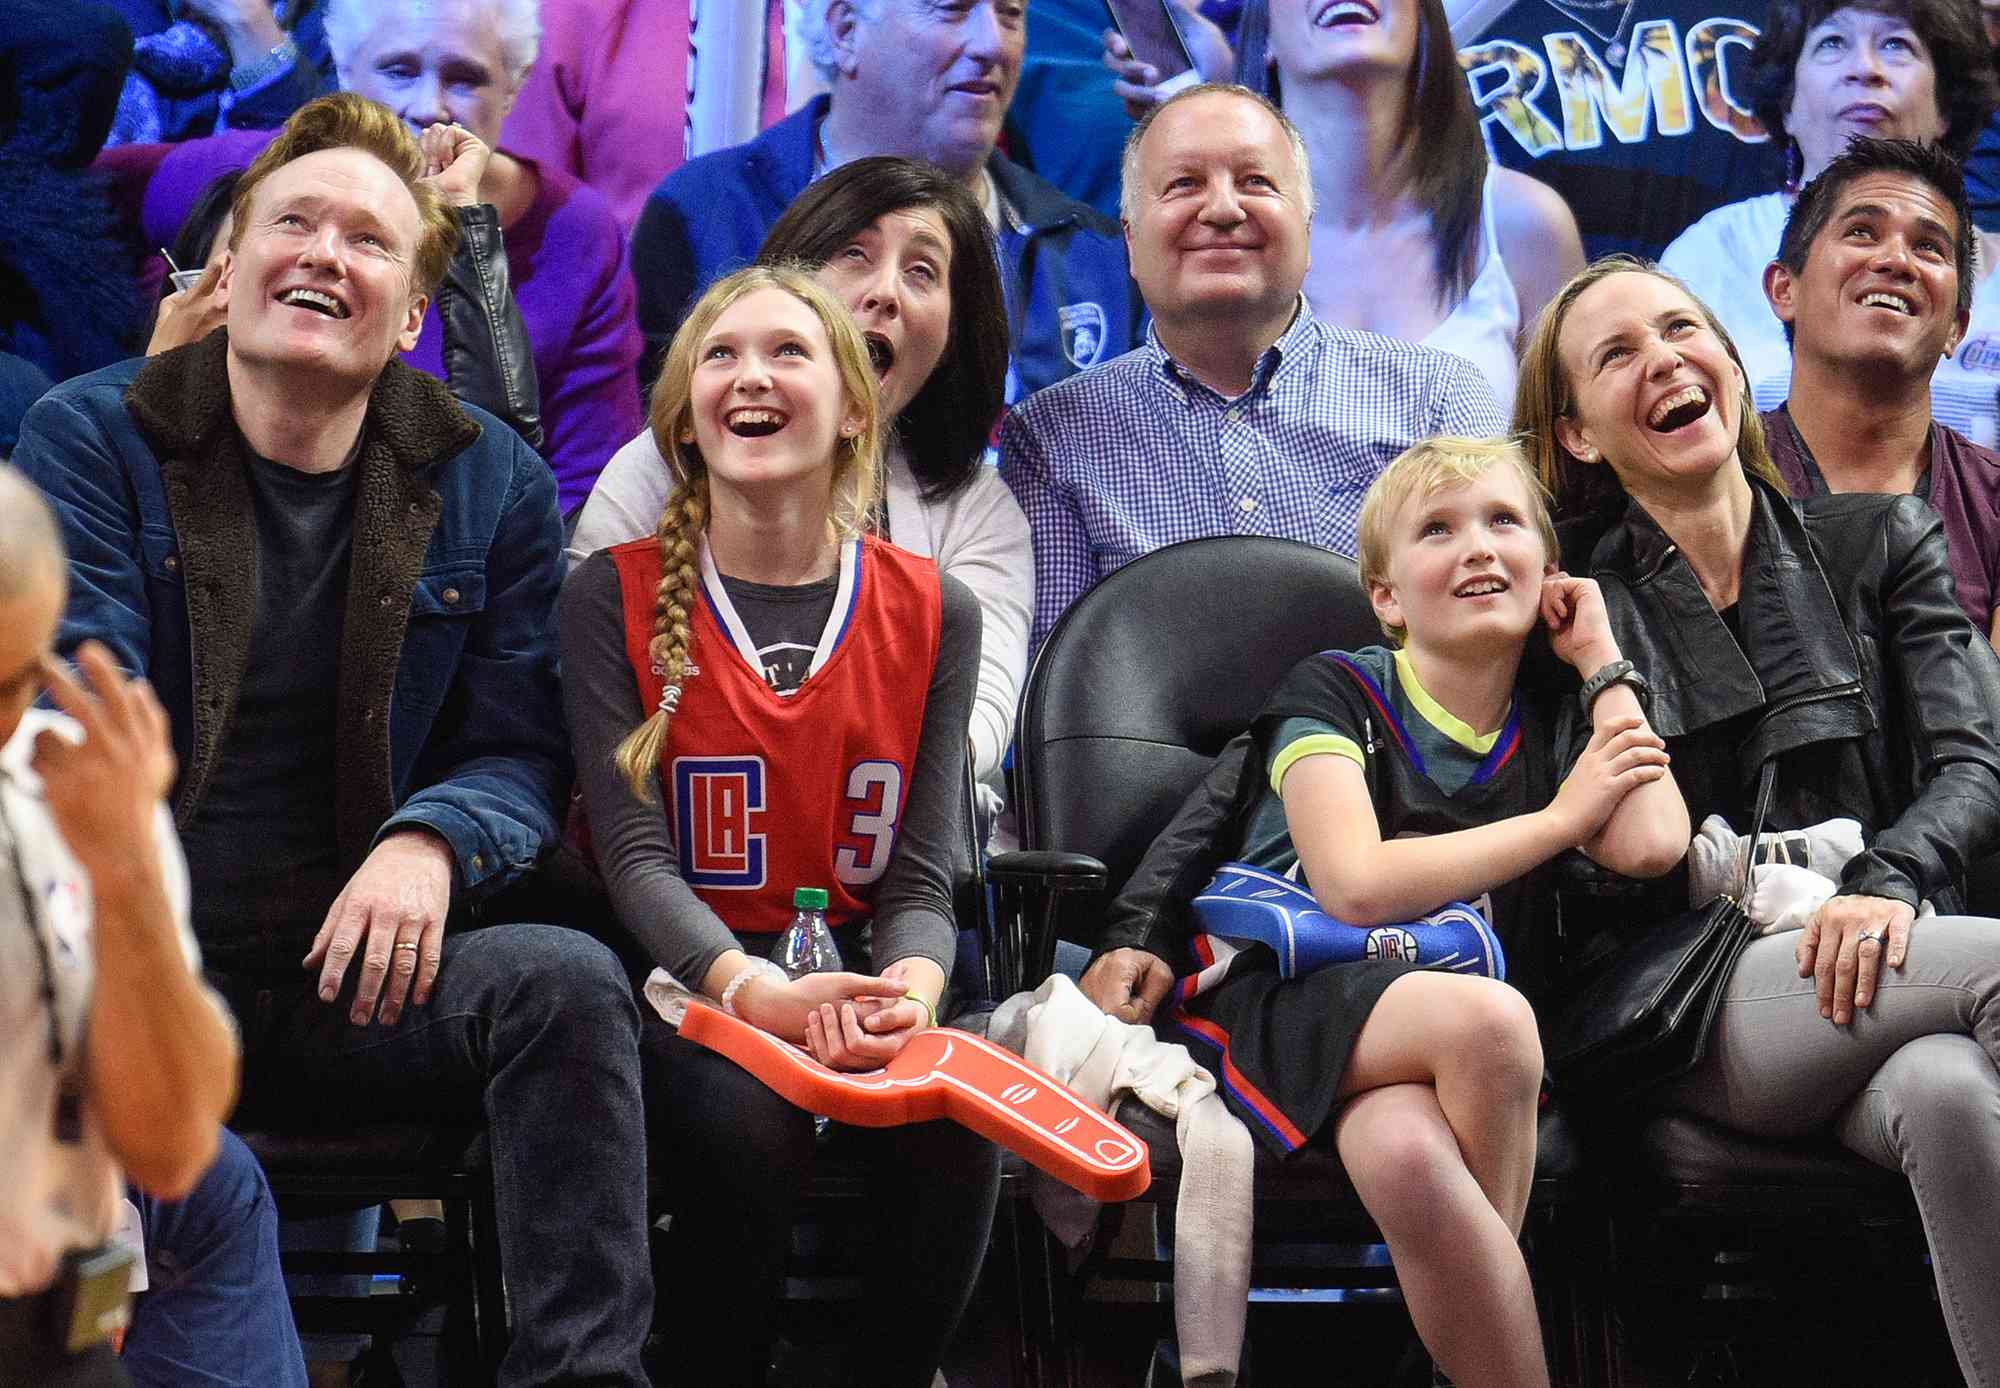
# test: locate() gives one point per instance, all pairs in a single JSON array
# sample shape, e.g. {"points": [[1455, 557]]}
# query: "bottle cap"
{"points": [[809, 898]]}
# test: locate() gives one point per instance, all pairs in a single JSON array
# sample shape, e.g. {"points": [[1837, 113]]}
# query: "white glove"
{"points": [[1715, 855], [1784, 896]]}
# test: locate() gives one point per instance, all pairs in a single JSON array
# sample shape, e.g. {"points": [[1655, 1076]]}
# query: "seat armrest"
{"points": [[1048, 870], [1030, 886]]}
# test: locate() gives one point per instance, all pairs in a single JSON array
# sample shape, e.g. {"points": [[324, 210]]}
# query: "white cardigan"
{"points": [[979, 537]]}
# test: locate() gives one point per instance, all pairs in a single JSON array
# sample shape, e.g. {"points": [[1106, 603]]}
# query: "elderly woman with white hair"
{"points": [[462, 62]]}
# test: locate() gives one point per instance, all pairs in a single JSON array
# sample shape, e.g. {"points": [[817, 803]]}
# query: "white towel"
{"points": [[1062, 1032]]}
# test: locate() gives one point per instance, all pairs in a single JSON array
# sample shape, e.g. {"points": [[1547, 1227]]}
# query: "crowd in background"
{"points": [[475, 494]]}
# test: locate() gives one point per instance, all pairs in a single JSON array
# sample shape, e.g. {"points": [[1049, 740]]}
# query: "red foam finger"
{"points": [[946, 1073]]}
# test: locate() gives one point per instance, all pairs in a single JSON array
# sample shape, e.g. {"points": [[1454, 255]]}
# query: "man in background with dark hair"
{"points": [[1873, 282]]}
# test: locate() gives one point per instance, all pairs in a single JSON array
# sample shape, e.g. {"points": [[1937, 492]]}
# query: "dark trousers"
{"points": [[732, 1161], [32, 1353], [214, 1314], [532, 1029]]}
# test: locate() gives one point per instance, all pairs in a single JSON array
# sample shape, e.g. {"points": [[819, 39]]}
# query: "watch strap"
{"points": [[1617, 672]]}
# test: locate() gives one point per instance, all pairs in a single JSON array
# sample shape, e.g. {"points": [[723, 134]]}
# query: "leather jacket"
{"points": [[1861, 675], [487, 359]]}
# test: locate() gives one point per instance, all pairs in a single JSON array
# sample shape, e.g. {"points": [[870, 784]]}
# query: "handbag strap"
{"points": [[1767, 781]]}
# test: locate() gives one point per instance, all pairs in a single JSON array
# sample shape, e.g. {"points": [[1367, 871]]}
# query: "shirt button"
{"points": [[479, 862], [173, 563], [450, 596], [1247, 505]]}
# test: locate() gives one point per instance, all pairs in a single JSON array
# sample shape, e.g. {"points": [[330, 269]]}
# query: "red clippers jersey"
{"points": [[766, 791]]}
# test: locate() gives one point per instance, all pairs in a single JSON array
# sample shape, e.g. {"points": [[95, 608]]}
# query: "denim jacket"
{"points": [[450, 711]]}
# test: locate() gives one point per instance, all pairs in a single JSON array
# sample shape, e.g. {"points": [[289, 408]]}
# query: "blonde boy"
{"points": [[1391, 781]]}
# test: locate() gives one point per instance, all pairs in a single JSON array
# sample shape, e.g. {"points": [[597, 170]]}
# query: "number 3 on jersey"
{"points": [[716, 800], [876, 787]]}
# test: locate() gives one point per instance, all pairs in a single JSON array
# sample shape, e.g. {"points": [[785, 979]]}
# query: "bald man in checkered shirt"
{"points": [[1241, 414]]}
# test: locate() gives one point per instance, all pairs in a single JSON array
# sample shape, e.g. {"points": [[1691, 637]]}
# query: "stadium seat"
{"points": [[312, 1173], [1134, 693]]}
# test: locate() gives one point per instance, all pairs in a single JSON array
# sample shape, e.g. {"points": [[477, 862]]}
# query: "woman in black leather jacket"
{"points": [[1824, 635], [488, 361]]}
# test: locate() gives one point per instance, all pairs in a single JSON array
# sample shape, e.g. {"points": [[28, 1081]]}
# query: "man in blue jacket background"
{"points": [[343, 586], [926, 81]]}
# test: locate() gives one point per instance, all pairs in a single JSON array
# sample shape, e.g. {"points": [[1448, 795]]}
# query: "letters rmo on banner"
{"points": [[1667, 79]]}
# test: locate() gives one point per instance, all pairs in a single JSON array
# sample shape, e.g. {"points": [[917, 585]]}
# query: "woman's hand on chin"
{"points": [[1844, 946]]}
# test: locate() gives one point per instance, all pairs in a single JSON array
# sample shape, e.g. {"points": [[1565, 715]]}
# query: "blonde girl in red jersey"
{"points": [[764, 698]]}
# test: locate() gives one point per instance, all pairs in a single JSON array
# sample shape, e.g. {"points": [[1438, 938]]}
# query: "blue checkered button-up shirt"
{"points": [[1136, 453]]}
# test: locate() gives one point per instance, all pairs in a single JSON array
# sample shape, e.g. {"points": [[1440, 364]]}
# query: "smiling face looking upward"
{"points": [[320, 275], [1327, 38], [766, 405], [1880, 280], [1656, 394], [1465, 565]]}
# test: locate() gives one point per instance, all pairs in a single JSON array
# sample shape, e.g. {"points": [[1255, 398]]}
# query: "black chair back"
{"points": [[1150, 673]]}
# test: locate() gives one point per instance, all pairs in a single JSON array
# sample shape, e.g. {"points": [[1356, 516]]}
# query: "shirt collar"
{"points": [[1294, 344], [1001, 214]]}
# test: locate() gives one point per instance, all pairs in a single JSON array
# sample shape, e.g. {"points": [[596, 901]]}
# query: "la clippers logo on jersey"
{"points": [[714, 798], [1981, 353]]}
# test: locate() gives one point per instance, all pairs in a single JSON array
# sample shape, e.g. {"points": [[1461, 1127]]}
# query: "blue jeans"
{"points": [[214, 1314], [531, 1029]]}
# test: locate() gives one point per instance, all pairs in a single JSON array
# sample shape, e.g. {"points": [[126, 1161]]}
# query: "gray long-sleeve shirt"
{"points": [[633, 840]]}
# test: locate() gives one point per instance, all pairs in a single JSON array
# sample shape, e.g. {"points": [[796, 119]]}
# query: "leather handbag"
{"points": [[1646, 1018]]}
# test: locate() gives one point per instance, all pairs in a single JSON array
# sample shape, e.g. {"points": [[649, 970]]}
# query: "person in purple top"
{"points": [[464, 62], [1873, 282]]}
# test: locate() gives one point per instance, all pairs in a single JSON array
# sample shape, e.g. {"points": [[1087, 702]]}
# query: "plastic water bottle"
{"points": [[807, 946]]}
